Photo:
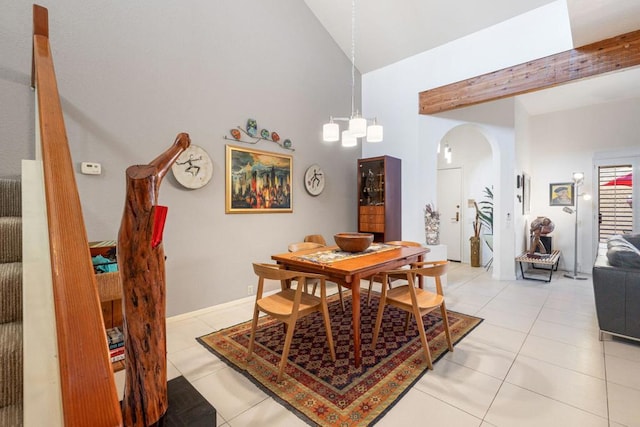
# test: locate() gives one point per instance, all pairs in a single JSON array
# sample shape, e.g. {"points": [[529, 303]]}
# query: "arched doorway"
{"points": [[465, 170]]}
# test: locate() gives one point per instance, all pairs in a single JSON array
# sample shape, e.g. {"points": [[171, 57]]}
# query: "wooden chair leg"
{"points": [[370, 289], [254, 326], [423, 337], [445, 321], [340, 295], [376, 329], [285, 349], [327, 328], [407, 319]]}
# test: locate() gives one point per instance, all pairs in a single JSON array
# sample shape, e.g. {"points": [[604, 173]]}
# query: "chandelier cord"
{"points": [[353, 56]]}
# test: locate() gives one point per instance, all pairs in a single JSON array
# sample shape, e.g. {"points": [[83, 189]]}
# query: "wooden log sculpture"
{"points": [[141, 264]]}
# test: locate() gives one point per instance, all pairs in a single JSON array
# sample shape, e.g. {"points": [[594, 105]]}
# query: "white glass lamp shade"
{"points": [[348, 140], [330, 132], [374, 133], [358, 127]]}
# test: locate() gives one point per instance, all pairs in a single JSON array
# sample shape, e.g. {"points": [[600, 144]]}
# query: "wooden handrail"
{"points": [[89, 395]]}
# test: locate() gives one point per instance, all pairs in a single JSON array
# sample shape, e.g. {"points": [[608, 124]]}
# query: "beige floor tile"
{"points": [[497, 336], [482, 357], [181, 334], [229, 392], [515, 406], [570, 318], [623, 348], [623, 371], [584, 338], [461, 387], [623, 405], [506, 319], [267, 413], [589, 362], [567, 386], [432, 412], [195, 362]]}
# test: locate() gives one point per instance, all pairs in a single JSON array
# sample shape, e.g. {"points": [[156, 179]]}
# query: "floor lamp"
{"points": [[578, 179]]}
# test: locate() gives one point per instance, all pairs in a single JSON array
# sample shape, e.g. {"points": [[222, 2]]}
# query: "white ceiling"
{"points": [[388, 31]]}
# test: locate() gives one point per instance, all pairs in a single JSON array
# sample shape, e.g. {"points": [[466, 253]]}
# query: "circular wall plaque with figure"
{"points": [[194, 168], [314, 180]]}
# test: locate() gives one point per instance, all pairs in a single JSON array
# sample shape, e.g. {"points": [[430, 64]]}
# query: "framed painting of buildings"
{"points": [[257, 181]]}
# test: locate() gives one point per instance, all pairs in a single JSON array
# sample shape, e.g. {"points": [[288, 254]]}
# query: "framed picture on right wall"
{"points": [[561, 194]]}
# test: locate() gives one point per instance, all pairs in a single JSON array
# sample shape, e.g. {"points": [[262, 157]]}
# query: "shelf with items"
{"points": [[109, 287], [379, 198]]}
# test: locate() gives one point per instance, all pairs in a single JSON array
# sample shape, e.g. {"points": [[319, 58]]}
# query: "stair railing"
{"points": [[88, 392]]}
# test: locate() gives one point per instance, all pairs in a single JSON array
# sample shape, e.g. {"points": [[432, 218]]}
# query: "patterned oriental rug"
{"points": [[325, 393]]}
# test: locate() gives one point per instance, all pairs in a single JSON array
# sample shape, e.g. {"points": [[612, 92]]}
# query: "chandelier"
{"points": [[358, 126]]}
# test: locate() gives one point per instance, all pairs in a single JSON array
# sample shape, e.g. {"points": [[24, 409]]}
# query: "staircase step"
{"points": [[10, 197], [11, 232], [10, 364], [10, 292]]}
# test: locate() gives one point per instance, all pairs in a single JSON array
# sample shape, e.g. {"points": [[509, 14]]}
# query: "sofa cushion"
{"points": [[634, 239], [622, 253]]}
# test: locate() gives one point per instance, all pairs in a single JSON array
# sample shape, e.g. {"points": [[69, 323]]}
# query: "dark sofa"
{"points": [[616, 284]]}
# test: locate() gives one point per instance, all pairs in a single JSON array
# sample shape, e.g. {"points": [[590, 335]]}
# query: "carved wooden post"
{"points": [[141, 264]]}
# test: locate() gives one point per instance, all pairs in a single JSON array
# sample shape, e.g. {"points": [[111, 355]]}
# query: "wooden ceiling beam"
{"points": [[605, 56]]}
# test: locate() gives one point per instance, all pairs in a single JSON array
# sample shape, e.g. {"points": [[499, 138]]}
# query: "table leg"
{"points": [[355, 306]]}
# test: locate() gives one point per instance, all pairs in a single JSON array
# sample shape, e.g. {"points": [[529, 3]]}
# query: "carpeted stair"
{"points": [[10, 303]]}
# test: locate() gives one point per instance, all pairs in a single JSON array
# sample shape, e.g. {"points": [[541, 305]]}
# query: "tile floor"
{"points": [[535, 361]]}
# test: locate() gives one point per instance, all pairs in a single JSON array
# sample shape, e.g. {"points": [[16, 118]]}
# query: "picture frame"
{"points": [[257, 181], [561, 194]]}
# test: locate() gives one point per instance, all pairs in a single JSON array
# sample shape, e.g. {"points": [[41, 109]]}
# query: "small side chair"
{"points": [[288, 305], [416, 301], [315, 238], [301, 246], [390, 278]]}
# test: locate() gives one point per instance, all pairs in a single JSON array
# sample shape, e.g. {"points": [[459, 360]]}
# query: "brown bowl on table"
{"points": [[353, 242]]}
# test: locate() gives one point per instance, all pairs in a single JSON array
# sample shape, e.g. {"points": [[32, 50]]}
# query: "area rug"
{"points": [[327, 393]]}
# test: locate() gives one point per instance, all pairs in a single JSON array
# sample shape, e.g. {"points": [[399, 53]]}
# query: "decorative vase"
{"points": [[475, 251], [432, 230]]}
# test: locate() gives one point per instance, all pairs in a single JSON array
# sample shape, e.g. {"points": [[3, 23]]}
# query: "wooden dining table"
{"points": [[348, 273]]}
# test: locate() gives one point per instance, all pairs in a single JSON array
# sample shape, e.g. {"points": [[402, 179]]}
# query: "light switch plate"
{"points": [[89, 168]]}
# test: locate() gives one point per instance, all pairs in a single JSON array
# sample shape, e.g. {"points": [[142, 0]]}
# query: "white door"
{"points": [[450, 207]]}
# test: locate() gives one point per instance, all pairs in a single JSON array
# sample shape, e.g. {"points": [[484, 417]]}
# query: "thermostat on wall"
{"points": [[89, 168]]}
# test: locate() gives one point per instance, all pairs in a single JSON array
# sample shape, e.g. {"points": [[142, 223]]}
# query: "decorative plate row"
{"points": [[251, 130]]}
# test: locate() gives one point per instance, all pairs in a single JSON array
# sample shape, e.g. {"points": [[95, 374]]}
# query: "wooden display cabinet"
{"points": [[379, 198]]}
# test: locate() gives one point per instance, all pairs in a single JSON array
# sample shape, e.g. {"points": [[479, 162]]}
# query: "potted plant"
{"points": [[484, 217], [475, 239]]}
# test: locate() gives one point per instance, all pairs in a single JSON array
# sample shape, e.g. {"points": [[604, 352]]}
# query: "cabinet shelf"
{"points": [[379, 198]]}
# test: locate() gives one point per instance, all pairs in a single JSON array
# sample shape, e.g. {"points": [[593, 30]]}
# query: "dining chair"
{"points": [[315, 238], [416, 301], [300, 246], [288, 305], [390, 278]]}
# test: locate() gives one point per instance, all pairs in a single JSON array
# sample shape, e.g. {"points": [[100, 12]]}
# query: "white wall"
{"points": [[570, 141], [133, 75], [391, 94]]}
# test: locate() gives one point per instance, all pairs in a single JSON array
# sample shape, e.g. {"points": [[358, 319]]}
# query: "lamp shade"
{"points": [[330, 132], [348, 140], [358, 127], [374, 133]]}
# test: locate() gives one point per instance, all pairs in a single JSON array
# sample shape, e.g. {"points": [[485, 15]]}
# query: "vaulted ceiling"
{"points": [[388, 31]]}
